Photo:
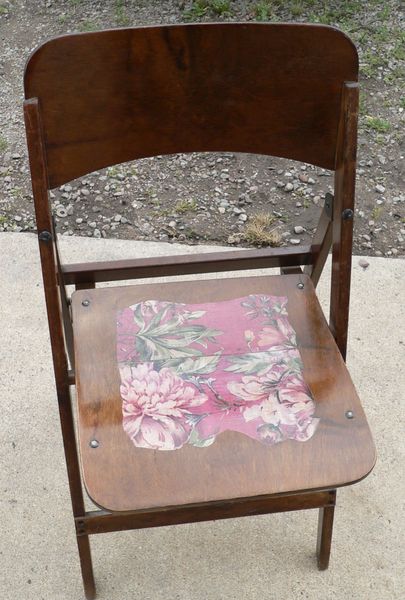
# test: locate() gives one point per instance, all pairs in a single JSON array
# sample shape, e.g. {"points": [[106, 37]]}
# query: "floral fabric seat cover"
{"points": [[192, 371]]}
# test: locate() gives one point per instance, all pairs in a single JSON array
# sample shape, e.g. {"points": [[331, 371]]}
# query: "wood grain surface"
{"points": [[131, 93], [120, 477]]}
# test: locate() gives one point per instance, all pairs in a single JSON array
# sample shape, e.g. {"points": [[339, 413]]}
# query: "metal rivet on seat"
{"points": [[347, 214], [94, 443], [349, 414], [86, 303], [300, 286]]}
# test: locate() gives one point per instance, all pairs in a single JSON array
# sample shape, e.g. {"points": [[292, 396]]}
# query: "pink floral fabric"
{"points": [[191, 371]]}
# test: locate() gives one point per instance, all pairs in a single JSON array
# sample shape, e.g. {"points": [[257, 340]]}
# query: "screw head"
{"points": [[45, 236], [86, 303], [349, 414], [347, 214], [300, 286], [94, 443]]}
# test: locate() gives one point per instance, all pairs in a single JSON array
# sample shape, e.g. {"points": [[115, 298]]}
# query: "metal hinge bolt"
{"points": [[45, 236], [347, 214]]}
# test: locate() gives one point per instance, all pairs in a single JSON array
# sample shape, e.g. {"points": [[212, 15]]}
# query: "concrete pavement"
{"points": [[270, 556]]}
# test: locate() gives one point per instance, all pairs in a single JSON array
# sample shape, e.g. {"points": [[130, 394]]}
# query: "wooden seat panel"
{"points": [[121, 476]]}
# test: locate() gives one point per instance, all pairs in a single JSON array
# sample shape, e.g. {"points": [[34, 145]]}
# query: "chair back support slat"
{"points": [[132, 93]]}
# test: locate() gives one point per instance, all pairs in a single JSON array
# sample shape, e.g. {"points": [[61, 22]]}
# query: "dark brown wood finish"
{"points": [[234, 466], [211, 262], [132, 93], [343, 215], [102, 521], [97, 99], [320, 247], [49, 263], [325, 527]]}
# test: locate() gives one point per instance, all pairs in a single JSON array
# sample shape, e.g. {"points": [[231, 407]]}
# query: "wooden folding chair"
{"points": [[200, 400]]}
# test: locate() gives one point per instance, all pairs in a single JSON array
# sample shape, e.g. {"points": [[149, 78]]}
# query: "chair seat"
{"points": [[204, 391]]}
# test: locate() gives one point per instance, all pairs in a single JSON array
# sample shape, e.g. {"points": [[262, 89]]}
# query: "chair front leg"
{"points": [[86, 566], [325, 528]]}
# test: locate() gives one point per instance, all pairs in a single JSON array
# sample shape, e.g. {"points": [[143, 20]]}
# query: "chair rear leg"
{"points": [[86, 566], [76, 492], [325, 528]]}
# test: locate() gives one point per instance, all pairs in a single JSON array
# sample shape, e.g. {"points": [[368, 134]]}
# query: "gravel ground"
{"points": [[229, 199]]}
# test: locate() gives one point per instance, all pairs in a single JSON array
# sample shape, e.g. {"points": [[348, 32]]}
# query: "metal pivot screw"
{"points": [[86, 303], [347, 214], [349, 414], [45, 236], [80, 527], [300, 286], [94, 443]]}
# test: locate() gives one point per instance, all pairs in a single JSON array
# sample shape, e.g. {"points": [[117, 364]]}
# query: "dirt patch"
{"points": [[228, 199]]}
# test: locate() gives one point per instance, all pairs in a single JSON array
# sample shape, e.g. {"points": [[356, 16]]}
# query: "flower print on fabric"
{"points": [[190, 372], [155, 406]]}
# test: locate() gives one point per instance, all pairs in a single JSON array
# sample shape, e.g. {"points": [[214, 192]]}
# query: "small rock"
{"points": [[380, 189], [299, 229], [233, 239], [172, 224], [61, 212], [294, 241], [17, 218], [16, 156], [243, 218], [303, 177], [97, 233], [79, 220], [221, 210], [93, 224], [364, 263], [366, 237], [117, 218], [289, 187]]}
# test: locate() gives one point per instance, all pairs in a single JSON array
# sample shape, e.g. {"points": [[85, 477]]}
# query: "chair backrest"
{"points": [[112, 96], [98, 99]]}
